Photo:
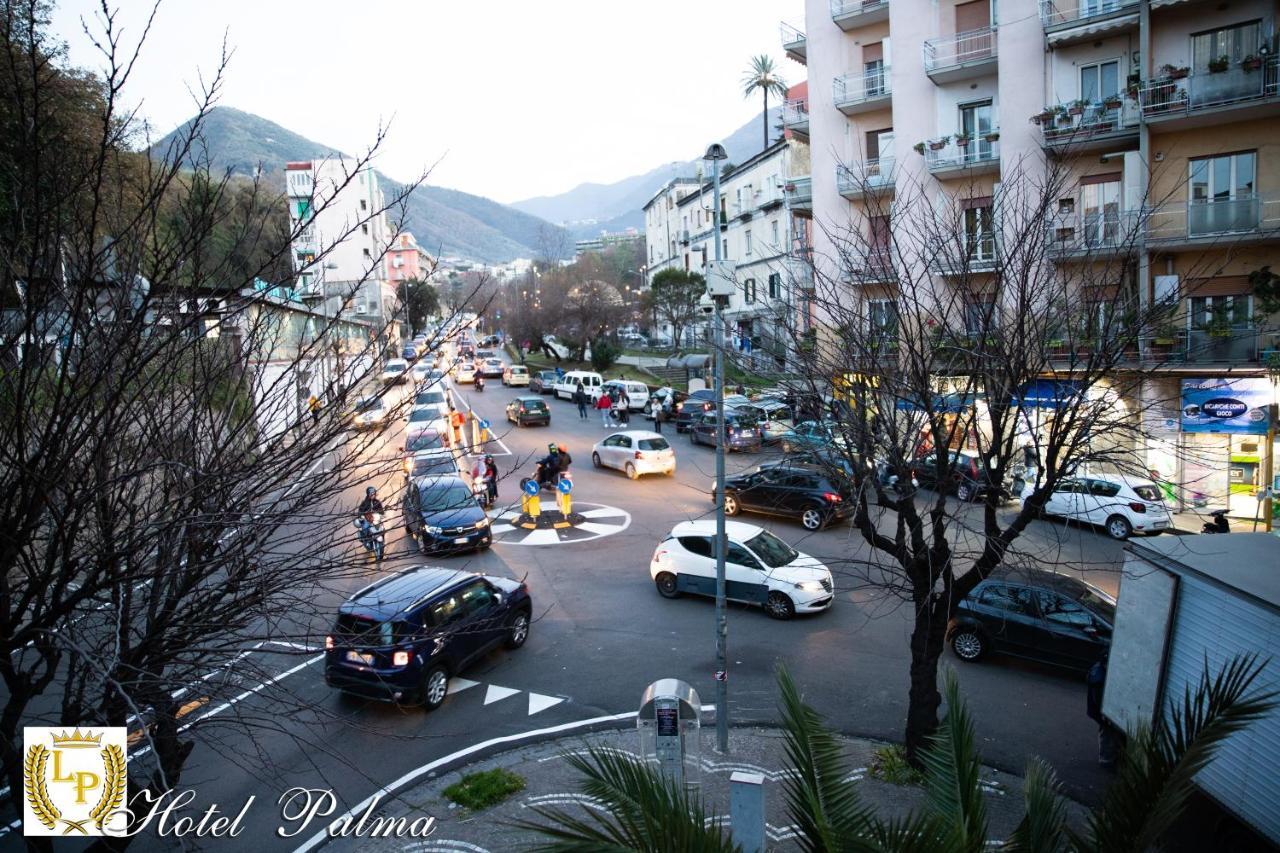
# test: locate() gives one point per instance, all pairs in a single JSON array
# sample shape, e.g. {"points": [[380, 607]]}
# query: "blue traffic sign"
{"points": [[531, 488], [484, 424], [565, 485]]}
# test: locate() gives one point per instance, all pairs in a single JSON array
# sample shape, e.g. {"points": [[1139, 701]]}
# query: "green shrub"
{"points": [[604, 353], [488, 788], [889, 764]]}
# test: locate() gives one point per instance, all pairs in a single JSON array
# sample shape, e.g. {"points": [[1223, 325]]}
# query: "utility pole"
{"points": [[715, 154]]}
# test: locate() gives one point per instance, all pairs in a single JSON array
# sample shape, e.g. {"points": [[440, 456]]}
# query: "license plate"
{"points": [[360, 657], [461, 540], [1160, 524]]}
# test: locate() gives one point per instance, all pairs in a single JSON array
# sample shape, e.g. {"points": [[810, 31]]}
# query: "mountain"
{"points": [[617, 206], [444, 221]]}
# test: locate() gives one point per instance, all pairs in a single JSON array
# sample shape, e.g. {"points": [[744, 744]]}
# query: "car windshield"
{"points": [[392, 367], [426, 440], [427, 398], [653, 444], [371, 405], [771, 549], [438, 499], [418, 416], [1099, 603]]}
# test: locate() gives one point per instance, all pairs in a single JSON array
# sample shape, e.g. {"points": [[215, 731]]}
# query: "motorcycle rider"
{"points": [[479, 382], [368, 507]]}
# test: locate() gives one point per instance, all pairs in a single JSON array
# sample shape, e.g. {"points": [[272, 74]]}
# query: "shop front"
{"points": [[1227, 445]]}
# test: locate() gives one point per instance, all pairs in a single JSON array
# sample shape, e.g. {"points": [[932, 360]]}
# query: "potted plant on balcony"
{"points": [[939, 143], [1266, 290], [1077, 106], [1219, 64], [1112, 102], [1251, 63], [992, 136], [919, 148], [1174, 72], [963, 139], [1045, 116], [1219, 325], [1165, 336]]}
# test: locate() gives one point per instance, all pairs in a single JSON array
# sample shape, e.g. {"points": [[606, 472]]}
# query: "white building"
{"points": [[662, 227], [339, 252]]}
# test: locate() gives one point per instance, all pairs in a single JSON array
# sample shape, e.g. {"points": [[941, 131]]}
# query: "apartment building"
{"points": [[1164, 116], [339, 254], [662, 233], [407, 261]]}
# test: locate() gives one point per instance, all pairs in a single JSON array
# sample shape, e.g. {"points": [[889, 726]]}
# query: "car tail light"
{"points": [[400, 659], [1138, 507], [328, 642], [832, 497]]}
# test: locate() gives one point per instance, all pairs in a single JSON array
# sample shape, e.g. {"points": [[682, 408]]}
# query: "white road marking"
{"points": [[457, 685], [541, 537], [538, 702], [493, 439], [497, 694], [599, 529], [602, 512], [444, 845]]}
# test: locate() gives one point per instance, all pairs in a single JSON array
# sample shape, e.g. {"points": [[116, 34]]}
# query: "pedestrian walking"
{"points": [[314, 405], [491, 478], [603, 406], [658, 414], [580, 400], [1110, 739]]}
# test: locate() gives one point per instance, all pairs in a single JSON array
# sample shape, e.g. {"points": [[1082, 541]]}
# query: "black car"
{"points": [[807, 494], [404, 636], [443, 515], [703, 400], [968, 479], [543, 382], [1034, 614], [527, 409], [821, 459]]}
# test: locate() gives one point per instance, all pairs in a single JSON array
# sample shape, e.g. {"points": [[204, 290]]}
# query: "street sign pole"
{"points": [[715, 154]]}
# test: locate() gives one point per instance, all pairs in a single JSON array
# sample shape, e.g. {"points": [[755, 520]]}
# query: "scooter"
{"points": [[373, 534], [479, 383], [480, 488], [1219, 523]]}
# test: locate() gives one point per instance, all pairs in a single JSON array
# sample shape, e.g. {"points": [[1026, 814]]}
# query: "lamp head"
{"points": [[715, 152]]}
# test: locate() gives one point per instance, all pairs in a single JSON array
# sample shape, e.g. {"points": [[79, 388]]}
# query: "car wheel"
{"points": [[595, 459], [965, 492], [1118, 527], [518, 630], [779, 606], [647, 410], [666, 583], [435, 687], [631, 471], [731, 505], [968, 644], [812, 518]]}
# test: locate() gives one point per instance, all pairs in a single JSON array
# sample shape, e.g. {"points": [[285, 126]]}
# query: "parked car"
{"points": [[813, 495], [427, 417], [811, 435], [403, 637], [823, 459], [369, 412], [659, 397], [434, 399], [773, 418], [515, 376], [590, 381], [1119, 505], [425, 439], [438, 462], [442, 515], [1034, 614], [740, 430], [635, 393], [421, 369], [968, 479], [636, 452], [464, 372], [410, 352], [491, 367], [759, 569], [543, 382], [528, 409], [437, 377], [697, 402], [395, 371]]}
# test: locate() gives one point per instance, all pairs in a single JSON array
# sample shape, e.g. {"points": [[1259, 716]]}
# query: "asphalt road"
{"points": [[602, 633]]}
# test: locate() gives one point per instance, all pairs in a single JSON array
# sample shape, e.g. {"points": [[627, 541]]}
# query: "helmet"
{"points": [[370, 492], [564, 449], [552, 447], [488, 457]]}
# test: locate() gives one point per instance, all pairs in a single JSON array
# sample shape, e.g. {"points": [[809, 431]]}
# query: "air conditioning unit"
{"points": [[360, 309]]}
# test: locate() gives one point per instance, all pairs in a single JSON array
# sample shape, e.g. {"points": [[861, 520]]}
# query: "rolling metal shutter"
{"points": [[1216, 624]]}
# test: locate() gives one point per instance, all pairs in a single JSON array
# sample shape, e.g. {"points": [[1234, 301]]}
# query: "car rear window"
{"points": [[423, 465], [354, 630], [423, 415], [534, 405], [369, 405], [426, 440], [653, 444], [1147, 493], [428, 398], [392, 367]]}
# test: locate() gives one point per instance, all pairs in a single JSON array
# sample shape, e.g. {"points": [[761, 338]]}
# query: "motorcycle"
{"points": [[479, 383], [373, 535], [1219, 523], [480, 488]]}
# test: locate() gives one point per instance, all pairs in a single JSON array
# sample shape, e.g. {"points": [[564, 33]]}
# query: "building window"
{"points": [[775, 285], [650, 254], [1235, 43], [1099, 81], [979, 315], [773, 231], [724, 248], [975, 122], [366, 253], [979, 233], [364, 227], [304, 208], [749, 291], [1219, 312], [1100, 202], [882, 317], [748, 241], [1223, 194]]}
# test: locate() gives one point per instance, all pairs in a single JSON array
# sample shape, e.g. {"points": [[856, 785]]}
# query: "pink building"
{"points": [[407, 260]]}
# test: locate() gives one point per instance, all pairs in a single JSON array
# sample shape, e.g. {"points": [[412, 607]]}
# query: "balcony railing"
{"points": [[1239, 84], [1236, 345], [1230, 218], [877, 267], [795, 115], [855, 13], [854, 93], [793, 42], [865, 176], [1089, 121], [799, 192], [1065, 13], [1093, 234], [976, 152], [969, 252], [961, 49]]}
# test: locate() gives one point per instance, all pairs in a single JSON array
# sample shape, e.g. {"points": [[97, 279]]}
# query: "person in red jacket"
{"points": [[603, 405]]}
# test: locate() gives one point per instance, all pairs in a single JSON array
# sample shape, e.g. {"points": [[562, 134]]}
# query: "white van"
{"points": [[637, 393], [591, 383]]}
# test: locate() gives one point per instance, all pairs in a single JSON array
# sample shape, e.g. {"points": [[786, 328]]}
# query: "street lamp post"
{"points": [[716, 153]]}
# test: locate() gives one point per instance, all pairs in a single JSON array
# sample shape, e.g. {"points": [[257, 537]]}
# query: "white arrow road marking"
{"points": [[538, 702], [457, 685], [497, 694], [591, 527]]}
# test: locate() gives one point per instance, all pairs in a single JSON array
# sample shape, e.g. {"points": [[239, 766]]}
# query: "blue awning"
{"points": [[950, 404], [1046, 394]]}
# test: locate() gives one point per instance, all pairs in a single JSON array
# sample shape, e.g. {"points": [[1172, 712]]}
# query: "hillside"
{"points": [[617, 206], [446, 221]]}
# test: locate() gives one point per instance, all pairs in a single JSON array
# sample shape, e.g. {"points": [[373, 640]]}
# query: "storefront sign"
{"points": [[1236, 406], [1046, 394]]}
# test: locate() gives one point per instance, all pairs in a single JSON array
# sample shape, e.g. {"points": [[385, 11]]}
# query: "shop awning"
{"points": [[950, 404], [1046, 394]]}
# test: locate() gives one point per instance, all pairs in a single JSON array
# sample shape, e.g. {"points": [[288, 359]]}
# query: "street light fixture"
{"points": [[715, 153]]}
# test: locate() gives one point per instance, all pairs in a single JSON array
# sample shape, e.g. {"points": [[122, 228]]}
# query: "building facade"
{"points": [[1163, 115], [407, 261], [662, 233]]}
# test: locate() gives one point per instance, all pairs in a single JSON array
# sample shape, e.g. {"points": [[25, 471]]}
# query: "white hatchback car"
{"points": [[759, 569], [464, 372], [1120, 505], [515, 375], [395, 371], [636, 452]]}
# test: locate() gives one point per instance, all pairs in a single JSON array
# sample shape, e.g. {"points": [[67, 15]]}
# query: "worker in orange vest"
{"points": [[457, 420]]}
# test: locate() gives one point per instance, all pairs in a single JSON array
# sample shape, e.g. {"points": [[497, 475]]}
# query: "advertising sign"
{"points": [[1237, 406]]}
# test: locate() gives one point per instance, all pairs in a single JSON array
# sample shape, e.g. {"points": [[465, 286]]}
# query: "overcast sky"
{"points": [[515, 99]]}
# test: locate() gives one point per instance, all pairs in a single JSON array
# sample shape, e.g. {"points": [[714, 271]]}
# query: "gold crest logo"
{"points": [[74, 782]]}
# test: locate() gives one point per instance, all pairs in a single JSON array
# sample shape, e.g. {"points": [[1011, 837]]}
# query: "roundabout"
{"points": [[586, 521]]}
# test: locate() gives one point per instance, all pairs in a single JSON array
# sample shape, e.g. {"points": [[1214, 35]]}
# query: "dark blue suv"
{"points": [[442, 514], [403, 637]]}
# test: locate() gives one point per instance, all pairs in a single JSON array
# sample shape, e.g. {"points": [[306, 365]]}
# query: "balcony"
{"points": [[1076, 127], [799, 193], [953, 160], [1093, 236], [1243, 220], [862, 93], [1228, 346], [851, 14], [865, 178], [795, 117], [793, 43], [877, 268], [968, 254], [963, 56], [768, 197], [1196, 99], [1075, 21]]}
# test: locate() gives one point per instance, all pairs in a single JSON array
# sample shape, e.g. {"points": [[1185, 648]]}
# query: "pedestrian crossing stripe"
{"points": [[589, 521]]}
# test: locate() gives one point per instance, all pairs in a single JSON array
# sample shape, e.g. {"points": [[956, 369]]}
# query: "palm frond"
{"points": [[953, 775], [640, 810], [761, 74], [1155, 773], [915, 833], [822, 801], [1041, 827]]}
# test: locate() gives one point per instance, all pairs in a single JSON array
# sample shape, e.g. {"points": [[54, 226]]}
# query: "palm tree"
{"points": [[639, 809], [761, 75]]}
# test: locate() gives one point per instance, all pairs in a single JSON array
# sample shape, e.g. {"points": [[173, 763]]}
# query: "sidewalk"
{"points": [[551, 782]]}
